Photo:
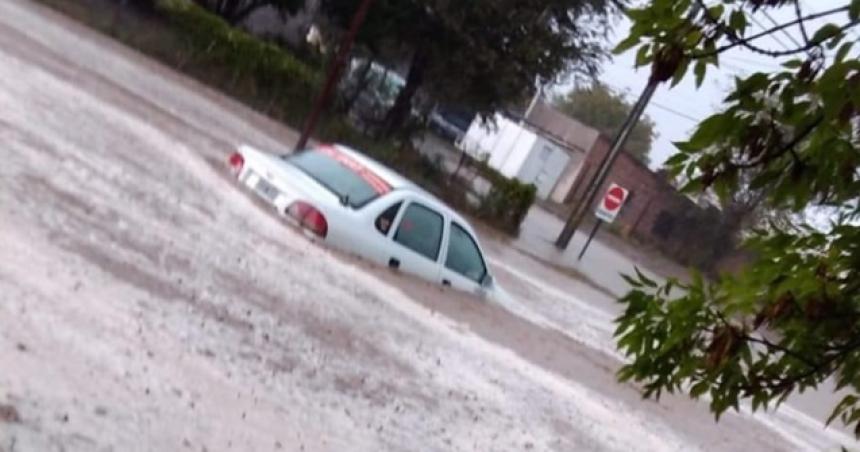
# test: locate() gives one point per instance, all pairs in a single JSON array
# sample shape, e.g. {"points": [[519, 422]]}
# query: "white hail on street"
{"points": [[358, 205]]}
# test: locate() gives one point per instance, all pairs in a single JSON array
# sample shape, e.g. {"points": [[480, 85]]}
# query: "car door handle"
{"points": [[445, 282], [394, 262]]}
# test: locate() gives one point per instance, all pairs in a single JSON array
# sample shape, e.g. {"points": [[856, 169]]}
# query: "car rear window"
{"points": [[341, 174]]}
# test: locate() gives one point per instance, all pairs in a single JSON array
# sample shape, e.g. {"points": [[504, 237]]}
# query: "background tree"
{"points": [[481, 53], [791, 320], [235, 11], [600, 107]]}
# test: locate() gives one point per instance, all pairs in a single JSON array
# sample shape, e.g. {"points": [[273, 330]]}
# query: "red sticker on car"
{"points": [[377, 183]]}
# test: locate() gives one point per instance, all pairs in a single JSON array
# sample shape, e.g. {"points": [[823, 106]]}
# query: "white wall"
{"points": [[567, 178], [507, 145], [545, 163], [517, 152]]}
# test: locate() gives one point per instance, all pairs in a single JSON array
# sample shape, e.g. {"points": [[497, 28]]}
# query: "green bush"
{"points": [[507, 203], [211, 41]]}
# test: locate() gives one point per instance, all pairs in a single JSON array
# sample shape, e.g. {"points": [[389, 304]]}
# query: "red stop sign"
{"points": [[613, 198]]}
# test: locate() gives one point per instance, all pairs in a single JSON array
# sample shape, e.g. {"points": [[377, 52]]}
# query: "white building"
{"points": [[545, 148]]}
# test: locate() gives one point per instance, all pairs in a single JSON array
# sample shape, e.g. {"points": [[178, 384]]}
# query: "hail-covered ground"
{"points": [[147, 304]]}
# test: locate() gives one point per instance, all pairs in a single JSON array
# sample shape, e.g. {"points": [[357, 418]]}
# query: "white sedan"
{"points": [[358, 205]]}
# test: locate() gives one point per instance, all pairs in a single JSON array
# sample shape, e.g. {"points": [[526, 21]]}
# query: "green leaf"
{"points": [[738, 21], [758, 400], [674, 171], [826, 32], [699, 69], [854, 10], [693, 186], [670, 283], [643, 279], [637, 14], [626, 373], [625, 45], [699, 388], [841, 407], [642, 56], [685, 147], [724, 186], [693, 37], [843, 51], [764, 179], [793, 64], [716, 11], [711, 129], [631, 281], [676, 159], [679, 73]]}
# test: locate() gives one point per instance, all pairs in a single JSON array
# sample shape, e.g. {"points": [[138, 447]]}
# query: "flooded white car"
{"points": [[360, 206]]}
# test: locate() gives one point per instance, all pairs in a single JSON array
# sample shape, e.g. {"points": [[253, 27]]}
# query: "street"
{"points": [[147, 304]]}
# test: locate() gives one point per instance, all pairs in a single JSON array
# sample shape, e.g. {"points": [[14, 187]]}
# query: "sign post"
{"points": [[606, 211], [590, 236]]}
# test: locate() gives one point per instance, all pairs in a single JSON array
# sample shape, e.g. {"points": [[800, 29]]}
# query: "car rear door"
{"points": [[464, 266], [416, 240]]}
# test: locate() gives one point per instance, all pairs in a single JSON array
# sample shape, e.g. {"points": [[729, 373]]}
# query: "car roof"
{"points": [[398, 182]]}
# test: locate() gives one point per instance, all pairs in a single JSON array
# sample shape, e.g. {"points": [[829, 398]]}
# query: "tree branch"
{"points": [[789, 147], [780, 348], [800, 22], [746, 42], [784, 382], [780, 383]]}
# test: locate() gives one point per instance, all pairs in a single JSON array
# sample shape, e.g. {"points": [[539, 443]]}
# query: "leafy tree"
{"points": [[481, 53], [235, 11], [791, 320], [600, 107]]}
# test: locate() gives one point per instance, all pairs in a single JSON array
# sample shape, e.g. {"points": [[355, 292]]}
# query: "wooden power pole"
{"points": [[334, 74], [608, 159], [602, 170]]}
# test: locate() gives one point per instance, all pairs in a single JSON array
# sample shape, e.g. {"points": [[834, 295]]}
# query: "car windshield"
{"points": [[354, 184]]}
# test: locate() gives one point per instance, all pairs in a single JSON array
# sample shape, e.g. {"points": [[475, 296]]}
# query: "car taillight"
{"points": [[236, 162], [309, 217]]}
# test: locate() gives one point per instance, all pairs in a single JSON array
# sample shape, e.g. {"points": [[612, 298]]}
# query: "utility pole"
{"points": [[334, 73], [605, 165]]}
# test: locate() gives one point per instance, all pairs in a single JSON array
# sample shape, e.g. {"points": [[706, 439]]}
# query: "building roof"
{"points": [[561, 127]]}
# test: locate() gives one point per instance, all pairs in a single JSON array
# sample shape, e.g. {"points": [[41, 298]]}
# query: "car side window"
{"points": [[420, 230], [386, 219], [464, 257]]}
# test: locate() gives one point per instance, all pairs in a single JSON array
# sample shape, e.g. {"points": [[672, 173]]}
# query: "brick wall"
{"points": [[655, 212]]}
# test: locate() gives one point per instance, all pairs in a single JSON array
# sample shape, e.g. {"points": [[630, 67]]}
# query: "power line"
{"points": [[809, 8], [663, 107], [737, 69], [738, 59], [763, 28], [784, 31], [676, 112]]}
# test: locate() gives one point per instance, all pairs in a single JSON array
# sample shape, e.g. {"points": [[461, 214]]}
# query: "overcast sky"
{"points": [[677, 110]]}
